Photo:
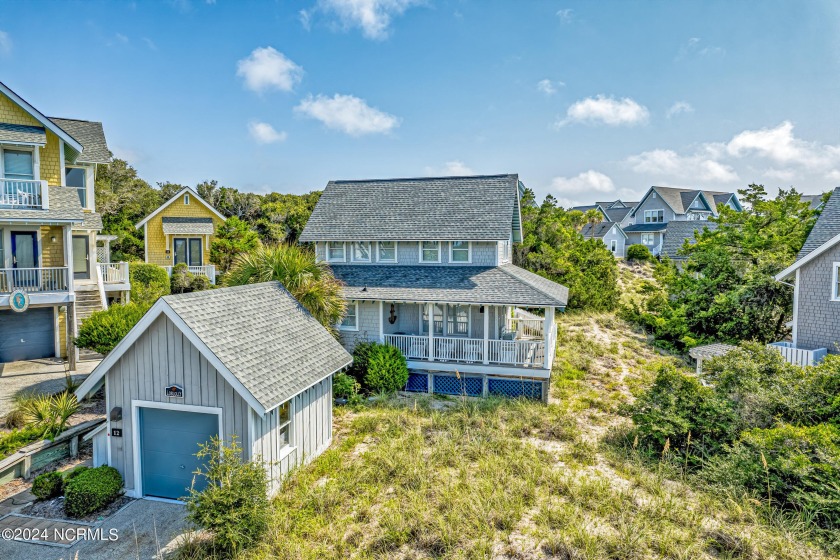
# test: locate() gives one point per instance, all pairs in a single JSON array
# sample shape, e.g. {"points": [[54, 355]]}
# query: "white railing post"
{"points": [[549, 321], [45, 195], [431, 308], [381, 322], [486, 353]]}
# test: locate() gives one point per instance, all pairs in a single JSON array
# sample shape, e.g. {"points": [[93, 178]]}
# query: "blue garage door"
{"points": [[27, 336], [169, 440]]}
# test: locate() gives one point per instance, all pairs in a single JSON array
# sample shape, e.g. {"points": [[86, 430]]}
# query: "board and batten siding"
{"points": [[311, 432], [162, 356]]}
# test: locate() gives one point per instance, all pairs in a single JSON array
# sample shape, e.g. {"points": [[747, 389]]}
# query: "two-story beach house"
{"points": [[661, 206], [181, 231], [816, 291], [616, 216], [50, 273], [426, 266]]}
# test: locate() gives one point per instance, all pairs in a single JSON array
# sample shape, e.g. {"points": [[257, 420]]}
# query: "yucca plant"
{"points": [[49, 412], [310, 282]]}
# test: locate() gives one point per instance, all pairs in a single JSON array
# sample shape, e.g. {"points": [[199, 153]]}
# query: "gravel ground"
{"points": [[42, 376]]}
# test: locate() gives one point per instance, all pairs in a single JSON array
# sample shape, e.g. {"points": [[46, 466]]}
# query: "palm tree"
{"points": [[593, 217], [310, 282]]}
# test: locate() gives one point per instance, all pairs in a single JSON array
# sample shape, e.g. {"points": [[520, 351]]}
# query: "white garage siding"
{"points": [[162, 356]]}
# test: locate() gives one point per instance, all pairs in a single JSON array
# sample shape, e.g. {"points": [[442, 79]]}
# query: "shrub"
{"points": [[677, 404], [802, 469], [47, 485], [200, 283], [73, 473], [49, 413], [148, 283], [91, 490], [234, 506], [345, 387], [358, 368], [639, 253], [14, 440], [387, 370], [104, 329]]}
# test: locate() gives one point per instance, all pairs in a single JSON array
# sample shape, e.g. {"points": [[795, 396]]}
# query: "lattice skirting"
{"points": [[417, 382], [451, 385], [515, 388]]}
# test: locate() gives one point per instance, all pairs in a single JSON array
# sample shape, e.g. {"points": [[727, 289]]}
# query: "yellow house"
{"points": [[52, 274], [180, 231]]}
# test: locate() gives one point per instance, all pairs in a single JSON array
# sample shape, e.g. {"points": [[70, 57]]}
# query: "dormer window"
{"points": [[335, 251], [361, 251], [459, 252], [430, 251], [186, 199], [387, 251], [654, 216]]}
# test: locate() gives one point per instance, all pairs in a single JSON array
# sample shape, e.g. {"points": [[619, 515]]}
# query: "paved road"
{"points": [[43, 376], [143, 528]]}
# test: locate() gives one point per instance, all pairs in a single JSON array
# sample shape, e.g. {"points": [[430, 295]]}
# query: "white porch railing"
{"points": [[32, 280], [799, 356], [22, 193], [525, 328], [114, 273], [527, 353], [208, 270]]}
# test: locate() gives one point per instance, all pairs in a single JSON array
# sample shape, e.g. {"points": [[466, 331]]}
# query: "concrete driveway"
{"points": [[143, 529], [42, 376]]}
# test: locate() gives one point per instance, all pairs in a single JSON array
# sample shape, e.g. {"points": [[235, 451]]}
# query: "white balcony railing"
{"points": [[524, 353], [114, 273], [525, 328], [799, 356], [33, 279], [207, 270], [22, 193]]}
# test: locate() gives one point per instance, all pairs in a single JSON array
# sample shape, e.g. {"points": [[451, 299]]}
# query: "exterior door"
{"points": [[25, 256], [188, 251], [27, 336], [81, 257], [169, 440]]}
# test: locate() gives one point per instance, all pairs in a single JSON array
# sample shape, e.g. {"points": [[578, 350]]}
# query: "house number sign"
{"points": [[175, 392]]}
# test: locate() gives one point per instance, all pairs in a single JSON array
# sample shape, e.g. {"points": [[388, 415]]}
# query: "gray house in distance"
{"points": [[426, 264], [816, 295], [662, 205], [610, 233], [247, 361]]}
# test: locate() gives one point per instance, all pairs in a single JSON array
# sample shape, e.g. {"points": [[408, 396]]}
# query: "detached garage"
{"points": [[247, 361]]}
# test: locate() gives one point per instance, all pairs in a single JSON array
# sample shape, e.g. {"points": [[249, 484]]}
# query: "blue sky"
{"points": [[586, 101]]}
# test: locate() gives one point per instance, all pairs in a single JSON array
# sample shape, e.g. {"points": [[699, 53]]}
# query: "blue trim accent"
{"points": [[451, 385], [516, 388], [417, 383]]}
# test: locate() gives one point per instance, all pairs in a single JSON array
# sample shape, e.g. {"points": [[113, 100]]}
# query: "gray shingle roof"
{"points": [[827, 226], [90, 135], [503, 285], [681, 199], [636, 228], [601, 229], [64, 207], [813, 200], [267, 340], [617, 204], [677, 232], [437, 208], [21, 133], [93, 220], [196, 226], [618, 214]]}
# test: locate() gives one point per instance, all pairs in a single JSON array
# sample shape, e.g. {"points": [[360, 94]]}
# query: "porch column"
{"points": [[70, 318], [381, 325], [486, 354], [431, 308], [548, 323]]}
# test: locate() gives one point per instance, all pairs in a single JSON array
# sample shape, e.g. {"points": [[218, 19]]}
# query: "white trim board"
{"points": [[809, 257], [173, 199], [41, 118]]}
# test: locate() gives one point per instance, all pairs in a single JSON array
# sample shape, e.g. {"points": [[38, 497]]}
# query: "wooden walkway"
{"points": [[39, 530]]}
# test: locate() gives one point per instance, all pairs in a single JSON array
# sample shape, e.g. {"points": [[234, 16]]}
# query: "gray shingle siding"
{"points": [[651, 203], [827, 226], [818, 317]]}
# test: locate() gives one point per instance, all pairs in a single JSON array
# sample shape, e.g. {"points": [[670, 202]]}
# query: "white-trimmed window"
{"points": [[335, 251], [613, 245], [438, 320], [387, 251], [460, 251], [76, 178], [430, 251], [648, 239], [361, 251], [351, 318], [187, 199], [835, 282], [654, 216], [284, 424]]}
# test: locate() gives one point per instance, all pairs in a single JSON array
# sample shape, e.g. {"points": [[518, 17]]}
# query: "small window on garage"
{"points": [[284, 422]]}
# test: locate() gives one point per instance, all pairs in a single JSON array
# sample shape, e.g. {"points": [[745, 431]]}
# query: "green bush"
{"points": [[148, 283], [12, 441], [345, 387], [92, 490], [358, 368], [183, 281], [802, 469], [49, 413], [234, 506], [104, 329], [639, 253], [387, 370], [200, 283], [47, 485], [73, 473]]}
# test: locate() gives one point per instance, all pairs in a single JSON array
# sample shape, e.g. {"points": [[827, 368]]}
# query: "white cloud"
{"points": [[348, 114], [780, 174], [264, 133], [549, 87], [695, 47], [265, 69], [700, 167], [678, 108], [565, 15], [586, 182], [781, 146], [606, 110], [450, 169], [149, 43], [373, 17], [121, 38], [5, 44]]}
